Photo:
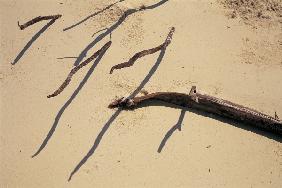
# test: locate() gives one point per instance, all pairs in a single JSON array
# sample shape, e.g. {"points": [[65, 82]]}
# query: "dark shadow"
{"points": [[112, 28], [92, 15], [171, 131], [64, 107], [228, 121], [19, 56], [115, 115], [96, 143], [149, 75], [99, 31]]}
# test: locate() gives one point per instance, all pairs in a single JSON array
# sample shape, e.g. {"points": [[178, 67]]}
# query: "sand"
{"points": [[230, 58]]}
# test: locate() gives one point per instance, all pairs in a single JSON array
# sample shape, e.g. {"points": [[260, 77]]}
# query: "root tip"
{"points": [[50, 96], [20, 26]]}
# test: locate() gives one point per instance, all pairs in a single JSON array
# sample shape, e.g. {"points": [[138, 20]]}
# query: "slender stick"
{"points": [[143, 53], [68, 57], [38, 19], [208, 104], [75, 69]]}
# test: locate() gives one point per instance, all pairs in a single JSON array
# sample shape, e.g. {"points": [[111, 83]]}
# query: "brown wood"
{"points": [[143, 53], [38, 19], [75, 69], [208, 104]]}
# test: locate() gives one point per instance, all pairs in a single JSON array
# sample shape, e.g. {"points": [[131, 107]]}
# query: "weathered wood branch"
{"points": [[38, 19], [210, 104], [75, 69], [145, 52]]}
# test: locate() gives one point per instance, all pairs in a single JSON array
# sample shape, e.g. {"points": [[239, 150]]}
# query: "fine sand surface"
{"points": [[213, 47]]}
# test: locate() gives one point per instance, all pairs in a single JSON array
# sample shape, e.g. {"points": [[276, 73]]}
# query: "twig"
{"points": [[69, 57], [92, 15], [38, 19], [103, 30], [75, 69], [144, 52], [113, 27], [99, 31], [208, 104]]}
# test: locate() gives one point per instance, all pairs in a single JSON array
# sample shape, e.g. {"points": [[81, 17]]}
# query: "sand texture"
{"points": [[228, 50]]}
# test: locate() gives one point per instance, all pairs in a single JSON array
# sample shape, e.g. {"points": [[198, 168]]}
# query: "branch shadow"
{"points": [[32, 40], [96, 143], [69, 101], [171, 131], [92, 15], [115, 115], [112, 28], [228, 121]]}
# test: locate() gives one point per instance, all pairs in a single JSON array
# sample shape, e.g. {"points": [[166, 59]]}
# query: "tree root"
{"points": [[38, 19], [208, 104], [75, 69], [144, 52]]}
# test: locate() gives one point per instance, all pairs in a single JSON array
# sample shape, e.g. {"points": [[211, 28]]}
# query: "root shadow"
{"points": [[116, 114], [92, 15], [171, 131], [127, 13], [69, 101], [231, 122], [31, 41]]}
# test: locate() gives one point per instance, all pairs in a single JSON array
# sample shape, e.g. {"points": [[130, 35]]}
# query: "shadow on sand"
{"points": [[171, 131], [175, 127], [231, 122], [115, 115], [91, 15], [69, 101], [31, 41], [112, 28]]}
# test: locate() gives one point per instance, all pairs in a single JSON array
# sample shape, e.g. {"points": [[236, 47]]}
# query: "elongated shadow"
{"points": [[31, 41], [171, 131], [148, 77], [112, 28], [227, 121], [115, 115], [96, 143], [92, 15], [64, 107]]}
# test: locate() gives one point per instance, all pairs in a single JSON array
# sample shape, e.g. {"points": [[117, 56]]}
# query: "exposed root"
{"points": [[75, 69], [38, 19], [144, 52]]}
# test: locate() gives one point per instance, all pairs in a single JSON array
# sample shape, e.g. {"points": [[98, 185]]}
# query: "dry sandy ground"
{"points": [[224, 57]]}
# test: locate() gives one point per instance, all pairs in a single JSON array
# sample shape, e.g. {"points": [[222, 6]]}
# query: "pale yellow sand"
{"points": [[222, 57]]}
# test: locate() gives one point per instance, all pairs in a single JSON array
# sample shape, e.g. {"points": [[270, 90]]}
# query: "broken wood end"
{"points": [[122, 102], [20, 26]]}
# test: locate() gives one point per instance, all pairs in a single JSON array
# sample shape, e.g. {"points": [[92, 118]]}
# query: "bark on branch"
{"points": [[75, 69], [210, 104], [145, 52], [38, 19]]}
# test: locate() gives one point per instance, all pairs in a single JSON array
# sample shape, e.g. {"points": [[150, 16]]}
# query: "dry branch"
{"points": [[208, 104], [38, 19], [75, 69], [145, 52]]}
